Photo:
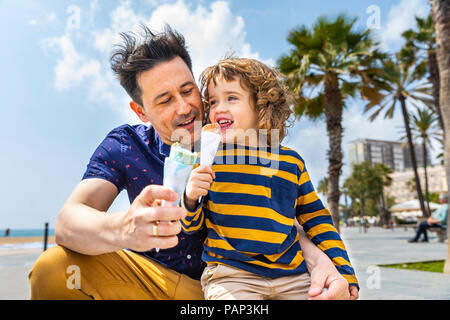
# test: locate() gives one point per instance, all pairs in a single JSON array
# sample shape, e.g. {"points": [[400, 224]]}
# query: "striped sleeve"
{"points": [[317, 222], [194, 220]]}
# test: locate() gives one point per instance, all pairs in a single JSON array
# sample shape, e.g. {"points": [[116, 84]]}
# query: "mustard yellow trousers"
{"points": [[62, 274]]}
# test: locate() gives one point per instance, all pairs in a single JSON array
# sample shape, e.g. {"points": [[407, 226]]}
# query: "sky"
{"points": [[60, 98]]}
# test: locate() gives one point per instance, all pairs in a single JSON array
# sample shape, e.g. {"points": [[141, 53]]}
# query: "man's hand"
{"points": [[147, 225], [354, 293], [324, 277], [324, 274], [431, 221]]}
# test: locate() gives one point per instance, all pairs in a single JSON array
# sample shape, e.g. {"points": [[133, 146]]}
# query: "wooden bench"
{"points": [[404, 225], [440, 232]]}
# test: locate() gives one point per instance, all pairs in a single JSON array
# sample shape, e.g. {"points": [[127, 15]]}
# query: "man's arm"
{"points": [[439, 216], [324, 274], [84, 226]]}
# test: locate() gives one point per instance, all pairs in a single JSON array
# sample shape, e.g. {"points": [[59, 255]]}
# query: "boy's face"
{"points": [[232, 107]]}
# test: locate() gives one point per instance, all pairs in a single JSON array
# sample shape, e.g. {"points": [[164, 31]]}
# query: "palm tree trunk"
{"points": [[433, 70], [362, 217], [333, 114], [427, 197], [384, 221], [440, 9], [413, 155]]}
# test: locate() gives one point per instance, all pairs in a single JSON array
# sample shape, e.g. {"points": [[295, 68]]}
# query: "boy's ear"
{"points": [[139, 110]]}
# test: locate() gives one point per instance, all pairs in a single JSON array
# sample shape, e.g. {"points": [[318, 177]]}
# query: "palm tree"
{"points": [[424, 39], [383, 172], [441, 16], [402, 78], [332, 62], [423, 128], [366, 182], [323, 186]]}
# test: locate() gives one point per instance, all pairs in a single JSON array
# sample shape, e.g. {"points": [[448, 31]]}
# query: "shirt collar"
{"points": [[157, 143]]}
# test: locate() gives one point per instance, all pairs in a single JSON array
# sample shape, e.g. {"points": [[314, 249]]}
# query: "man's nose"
{"points": [[183, 106]]}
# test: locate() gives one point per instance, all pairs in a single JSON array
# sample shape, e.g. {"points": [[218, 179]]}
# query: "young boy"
{"points": [[254, 191]]}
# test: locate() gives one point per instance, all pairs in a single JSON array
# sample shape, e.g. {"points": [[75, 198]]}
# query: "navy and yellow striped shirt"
{"points": [[250, 209]]}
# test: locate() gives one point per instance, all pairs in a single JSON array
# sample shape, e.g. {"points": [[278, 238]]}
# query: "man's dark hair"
{"points": [[132, 57]]}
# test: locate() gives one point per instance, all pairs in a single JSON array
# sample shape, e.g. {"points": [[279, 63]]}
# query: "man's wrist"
{"points": [[312, 261], [120, 226]]}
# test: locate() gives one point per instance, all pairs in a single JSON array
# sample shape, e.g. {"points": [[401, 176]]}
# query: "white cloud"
{"points": [[44, 18], [210, 32], [400, 18], [123, 19], [71, 69], [92, 10]]}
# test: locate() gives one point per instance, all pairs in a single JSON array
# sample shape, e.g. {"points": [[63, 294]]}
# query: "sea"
{"points": [[27, 232], [14, 233]]}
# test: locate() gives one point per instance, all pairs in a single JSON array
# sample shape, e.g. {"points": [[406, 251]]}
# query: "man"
{"points": [[91, 260], [437, 219]]}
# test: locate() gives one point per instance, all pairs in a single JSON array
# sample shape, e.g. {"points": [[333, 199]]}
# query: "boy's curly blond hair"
{"points": [[270, 98]]}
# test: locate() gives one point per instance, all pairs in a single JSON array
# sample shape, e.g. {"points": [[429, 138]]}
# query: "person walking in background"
{"points": [[437, 219]]}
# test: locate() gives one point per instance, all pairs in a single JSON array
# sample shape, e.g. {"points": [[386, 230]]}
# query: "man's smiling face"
{"points": [[171, 99]]}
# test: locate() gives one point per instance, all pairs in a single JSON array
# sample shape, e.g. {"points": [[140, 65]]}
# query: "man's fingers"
{"points": [[157, 242], [354, 293], [163, 214], [164, 242], [317, 284], [325, 295], [163, 228], [336, 290], [152, 192]]}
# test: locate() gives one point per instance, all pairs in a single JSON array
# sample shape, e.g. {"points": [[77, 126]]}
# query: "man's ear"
{"points": [[139, 110]]}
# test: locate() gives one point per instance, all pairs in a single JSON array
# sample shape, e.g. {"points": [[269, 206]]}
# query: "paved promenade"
{"points": [[366, 250], [379, 246]]}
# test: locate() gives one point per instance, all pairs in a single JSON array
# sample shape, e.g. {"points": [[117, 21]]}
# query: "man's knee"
{"points": [[423, 225], [49, 278]]}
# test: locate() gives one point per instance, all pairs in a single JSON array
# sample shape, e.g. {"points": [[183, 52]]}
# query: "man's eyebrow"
{"points": [[187, 83], [159, 96]]}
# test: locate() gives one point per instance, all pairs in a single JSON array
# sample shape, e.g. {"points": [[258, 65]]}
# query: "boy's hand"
{"points": [[198, 185]]}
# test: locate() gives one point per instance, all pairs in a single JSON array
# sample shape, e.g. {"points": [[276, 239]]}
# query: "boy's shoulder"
{"points": [[293, 155]]}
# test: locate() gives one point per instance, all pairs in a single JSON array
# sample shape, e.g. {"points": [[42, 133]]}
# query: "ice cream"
{"points": [[210, 140], [177, 168], [179, 154]]}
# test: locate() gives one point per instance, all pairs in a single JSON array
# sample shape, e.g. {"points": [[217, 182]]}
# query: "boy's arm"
{"points": [[317, 222], [195, 217], [197, 187]]}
